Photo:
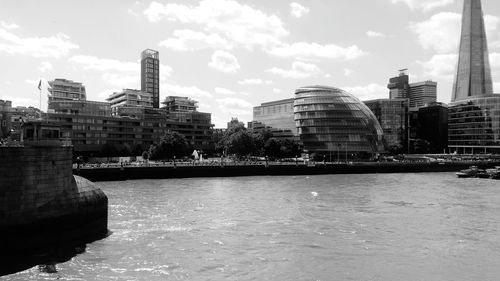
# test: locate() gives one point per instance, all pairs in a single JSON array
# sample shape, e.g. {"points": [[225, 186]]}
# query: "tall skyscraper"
{"points": [[473, 76], [150, 75]]}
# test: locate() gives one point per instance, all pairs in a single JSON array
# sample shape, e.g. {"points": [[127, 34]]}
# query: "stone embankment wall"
{"points": [[42, 203]]}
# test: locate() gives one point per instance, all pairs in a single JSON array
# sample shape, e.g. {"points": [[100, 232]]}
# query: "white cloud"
{"points": [[235, 106], [239, 23], [306, 50], [20, 101], [441, 32], [277, 91], [189, 40], [368, 92], [39, 47], [122, 80], [45, 66], [424, 5], [347, 72], [440, 66], [120, 74], [100, 64], [299, 70], [9, 25], [297, 10], [375, 34], [255, 81], [185, 91], [224, 61], [227, 92]]}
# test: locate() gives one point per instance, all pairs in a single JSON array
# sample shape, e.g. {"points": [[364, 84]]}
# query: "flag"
{"points": [[40, 85]]}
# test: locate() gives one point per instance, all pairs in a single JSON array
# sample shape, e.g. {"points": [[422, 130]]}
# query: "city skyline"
{"points": [[233, 55]]}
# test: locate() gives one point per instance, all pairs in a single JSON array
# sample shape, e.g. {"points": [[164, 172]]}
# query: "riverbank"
{"points": [[271, 169]]}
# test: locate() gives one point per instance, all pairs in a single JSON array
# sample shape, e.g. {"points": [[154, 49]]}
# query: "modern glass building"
{"points": [[330, 120], [276, 115], [474, 125], [392, 115]]}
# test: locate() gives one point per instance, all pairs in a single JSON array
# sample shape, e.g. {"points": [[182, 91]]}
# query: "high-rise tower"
{"points": [[150, 75], [473, 76]]}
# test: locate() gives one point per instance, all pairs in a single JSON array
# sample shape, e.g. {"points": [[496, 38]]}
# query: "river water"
{"points": [[331, 227]]}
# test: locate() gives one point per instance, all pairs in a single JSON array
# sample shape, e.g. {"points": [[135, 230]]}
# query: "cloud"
{"points": [[45, 66], [297, 10], [9, 25], [185, 91], [368, 92], [347, 72], [20, 101], [239, 23], [440, 66], [189, 40], [300, 70], [375, 34], [227, 92], [39, 47], [121, 80], [100, 64], [304, 50], [224, 61], [277, 91], [255, 81], [441, 32], [121, 74], [424, 5], [235, 106]]}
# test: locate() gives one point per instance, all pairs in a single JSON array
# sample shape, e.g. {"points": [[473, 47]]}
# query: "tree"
{"points": [[171, 144], [272, 148], [241, 143]]}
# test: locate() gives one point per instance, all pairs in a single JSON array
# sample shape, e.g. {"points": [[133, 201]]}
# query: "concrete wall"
{"points": [[42, 204]]}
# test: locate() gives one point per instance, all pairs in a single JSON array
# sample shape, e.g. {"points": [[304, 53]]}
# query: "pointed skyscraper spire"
{"points": [[473, 76]]}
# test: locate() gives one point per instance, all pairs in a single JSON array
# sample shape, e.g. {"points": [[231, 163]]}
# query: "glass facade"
{"points": [[474, 125], [276, 115], [331, 120], [392, 115]]}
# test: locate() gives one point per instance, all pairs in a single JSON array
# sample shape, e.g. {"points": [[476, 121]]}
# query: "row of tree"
{"points": [[237, 140]]}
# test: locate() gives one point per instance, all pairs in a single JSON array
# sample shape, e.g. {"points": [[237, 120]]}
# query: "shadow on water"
{"points": [[46, 258]]}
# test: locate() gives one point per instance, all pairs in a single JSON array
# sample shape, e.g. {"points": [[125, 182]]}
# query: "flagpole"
{"points": [[40, 90]]}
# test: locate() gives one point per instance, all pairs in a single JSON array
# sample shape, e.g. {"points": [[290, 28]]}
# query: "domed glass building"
{"points": [[336, 124]]}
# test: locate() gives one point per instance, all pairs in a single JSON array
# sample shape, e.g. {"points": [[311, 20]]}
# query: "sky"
{"points": [[232, 55]]}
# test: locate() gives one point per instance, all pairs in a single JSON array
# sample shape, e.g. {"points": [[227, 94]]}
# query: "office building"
{"points": [[330, 120], [422, 93], [473, 74], [150, 75], [392, 115], [432, 126], [129, 100], [179, 104], [63, 89], [399, 86], [474, 112], [275, 115]]}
